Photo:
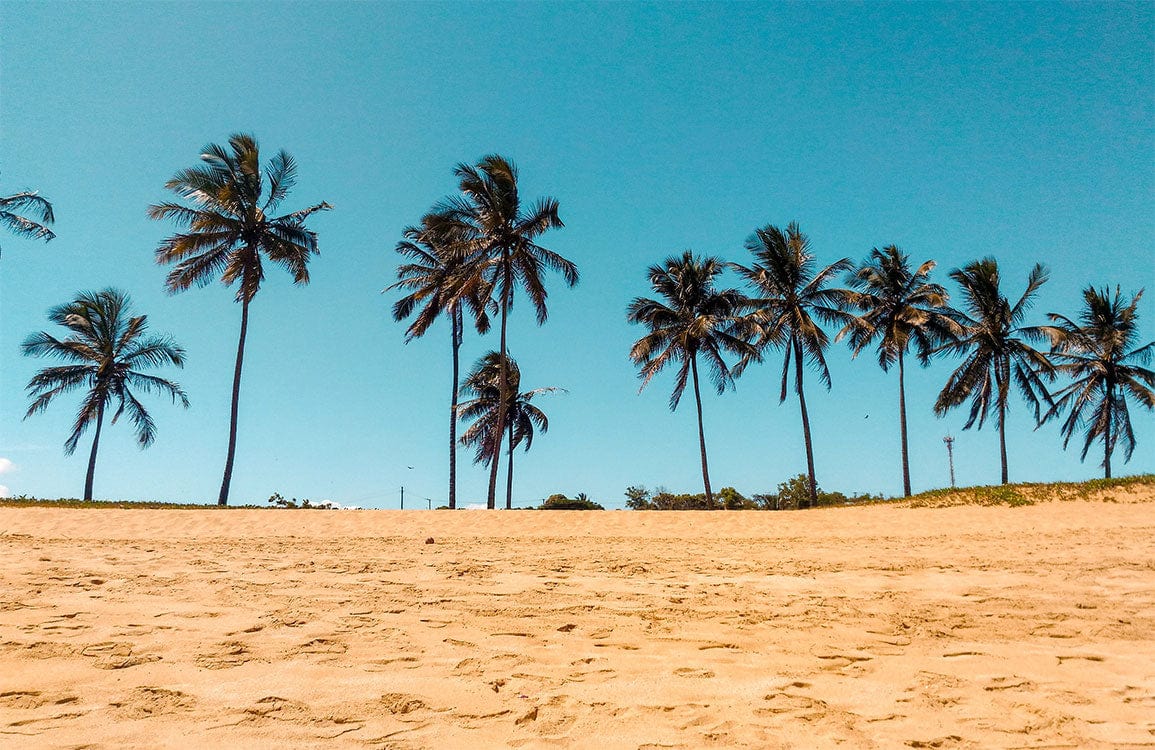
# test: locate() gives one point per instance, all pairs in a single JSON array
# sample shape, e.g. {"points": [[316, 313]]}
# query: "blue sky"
{"points": [[1024, 131]]}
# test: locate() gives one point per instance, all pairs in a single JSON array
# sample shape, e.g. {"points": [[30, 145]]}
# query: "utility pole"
{"points": [[950, 456], [402, 497]]}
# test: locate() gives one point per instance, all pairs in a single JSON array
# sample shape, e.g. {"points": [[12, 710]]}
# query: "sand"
{"points": [[963, 627]]}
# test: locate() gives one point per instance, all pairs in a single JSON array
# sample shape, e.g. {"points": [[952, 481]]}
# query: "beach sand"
{"points": [[964, 627]]}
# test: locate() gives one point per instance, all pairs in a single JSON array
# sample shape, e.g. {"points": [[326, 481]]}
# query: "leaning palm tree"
{"points": [[521, 416], [997, 350], [229, 229], [792, 302], [497, 235], [898, 307], [440, 283], [1099, 354], [12, 208], [105, 351], [693, 319]]}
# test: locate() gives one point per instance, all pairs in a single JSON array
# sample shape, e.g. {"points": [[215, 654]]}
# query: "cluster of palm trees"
{"points": [[472, 252], [890, 305], [476, 250]]}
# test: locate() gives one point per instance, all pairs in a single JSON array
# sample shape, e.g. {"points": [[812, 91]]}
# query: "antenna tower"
{"points": [[950, 456]]}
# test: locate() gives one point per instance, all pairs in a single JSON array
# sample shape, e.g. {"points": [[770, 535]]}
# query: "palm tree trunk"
{"points": [[701, 432], [509, 472], [503, 382], [902, 421], [458, 325], [223, 498], [805, 423], [1107, 447], [1003, 438], [92, 455]]}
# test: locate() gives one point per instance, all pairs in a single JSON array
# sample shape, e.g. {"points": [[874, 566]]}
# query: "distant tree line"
{"points": [[790, 495]]}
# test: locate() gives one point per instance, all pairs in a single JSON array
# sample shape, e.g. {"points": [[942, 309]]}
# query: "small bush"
{"points": [[561, 502]]}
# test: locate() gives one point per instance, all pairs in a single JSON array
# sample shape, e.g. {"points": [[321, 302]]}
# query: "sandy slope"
{"points": [[864, 627]]}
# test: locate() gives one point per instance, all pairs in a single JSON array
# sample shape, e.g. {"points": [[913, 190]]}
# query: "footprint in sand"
{"points": [[276, 709], [401, 703], [596, 675], [800, 706], [693, 672], [318, 647], [145, 702], [116, 655], [225, 656], [554, 717]]}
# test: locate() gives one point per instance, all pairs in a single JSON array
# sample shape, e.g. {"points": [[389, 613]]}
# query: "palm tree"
{"points": [[106, 351], [1094, 352], [694, 318], [229, 228], [485, 408], [997, 350], [497, 235], [792, 302], [441, 284], [21, 225], [899, 306]]}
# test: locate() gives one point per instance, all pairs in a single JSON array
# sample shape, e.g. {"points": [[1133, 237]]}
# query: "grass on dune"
{"points": [[1029, 493]]}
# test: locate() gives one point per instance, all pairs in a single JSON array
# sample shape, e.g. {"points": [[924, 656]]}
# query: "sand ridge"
{"points": [[860, 627]]}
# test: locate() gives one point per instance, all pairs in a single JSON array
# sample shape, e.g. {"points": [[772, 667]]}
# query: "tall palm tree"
{"points": [[1094, 353], [229, 229], [898, 307], [521, 416], [441, 284], [997, 350], [693, 318], [792, 302], [12, 208], [497, 234], [105, 351]]}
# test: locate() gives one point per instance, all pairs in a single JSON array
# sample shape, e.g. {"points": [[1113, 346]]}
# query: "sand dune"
{"points": [[880, 627]]}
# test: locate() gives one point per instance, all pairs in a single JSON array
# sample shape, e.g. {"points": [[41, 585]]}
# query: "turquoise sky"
{"points": [[1020, 130]]}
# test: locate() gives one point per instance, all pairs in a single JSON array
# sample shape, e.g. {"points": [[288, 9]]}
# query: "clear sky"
{"points": [[955, 131]]}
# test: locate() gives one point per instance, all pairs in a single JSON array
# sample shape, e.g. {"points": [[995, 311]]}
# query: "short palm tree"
{"points": [[792, 301], [497, 234], [439, 283], [997, 350], [1099, 354], [898, 306], [13, 208], [106, 350], [521, 416], [229, 230], [693, 319]]}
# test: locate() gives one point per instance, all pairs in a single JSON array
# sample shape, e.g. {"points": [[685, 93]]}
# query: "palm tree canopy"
{"points": [[438, 280], [229, 223], [794, 297], [105, 351], [13, 208], [995, 344], [490, 227], [693, 317], [1100, 355], [483, 387], [899, 306]]}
